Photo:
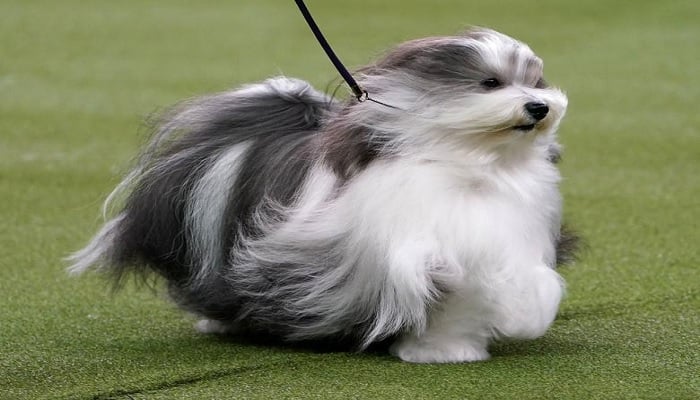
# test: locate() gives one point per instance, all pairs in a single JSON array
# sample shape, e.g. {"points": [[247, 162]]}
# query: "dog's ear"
{"points": [[401, 55]]}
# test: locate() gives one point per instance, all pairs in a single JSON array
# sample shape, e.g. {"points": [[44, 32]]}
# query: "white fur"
{"points": [[207, 204]]}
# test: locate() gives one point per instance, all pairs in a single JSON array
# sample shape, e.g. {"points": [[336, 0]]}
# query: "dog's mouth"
{"points": [[524, 128]]}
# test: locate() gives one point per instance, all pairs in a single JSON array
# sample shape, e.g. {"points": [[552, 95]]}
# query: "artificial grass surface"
{"points": [[76, 79]]}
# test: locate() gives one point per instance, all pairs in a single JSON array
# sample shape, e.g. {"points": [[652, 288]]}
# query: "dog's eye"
{"points": [[491, 83], [541, 84]]}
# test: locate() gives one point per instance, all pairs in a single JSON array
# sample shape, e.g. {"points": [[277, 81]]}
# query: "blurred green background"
{"points": [[77, 78]]}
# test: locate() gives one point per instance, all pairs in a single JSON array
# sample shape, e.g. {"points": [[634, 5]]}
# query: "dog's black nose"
{"points": [[537, 110]]}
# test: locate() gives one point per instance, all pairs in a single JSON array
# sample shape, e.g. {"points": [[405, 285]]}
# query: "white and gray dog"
{"points": [[432, 221]]}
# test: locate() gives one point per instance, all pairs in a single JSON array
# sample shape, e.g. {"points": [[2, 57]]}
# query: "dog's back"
{"points": [[177, 207]]}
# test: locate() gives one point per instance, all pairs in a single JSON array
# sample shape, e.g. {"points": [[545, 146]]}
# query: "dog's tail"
{"points": [[194, 154]]}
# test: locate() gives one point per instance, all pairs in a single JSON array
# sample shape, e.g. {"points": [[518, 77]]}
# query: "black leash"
{"points": [[358, 91]]}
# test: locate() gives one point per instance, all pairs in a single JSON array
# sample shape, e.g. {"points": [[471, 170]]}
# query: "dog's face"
{"points": [[480, 84]]}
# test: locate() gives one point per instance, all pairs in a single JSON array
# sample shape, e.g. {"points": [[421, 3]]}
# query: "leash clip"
{"points": [[362, 97], [358, 91]]}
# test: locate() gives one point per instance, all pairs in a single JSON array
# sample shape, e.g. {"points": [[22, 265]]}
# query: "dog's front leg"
{"points": [[457, 332], [461, 326]]}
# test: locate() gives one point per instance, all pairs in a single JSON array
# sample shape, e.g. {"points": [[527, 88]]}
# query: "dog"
{"points": [[430, 217]]}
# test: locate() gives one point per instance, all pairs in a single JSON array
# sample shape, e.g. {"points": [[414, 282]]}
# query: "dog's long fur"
{"points": [[274, 209]]}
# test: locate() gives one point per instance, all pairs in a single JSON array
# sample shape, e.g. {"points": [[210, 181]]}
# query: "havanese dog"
{"points": [[430, 217]]}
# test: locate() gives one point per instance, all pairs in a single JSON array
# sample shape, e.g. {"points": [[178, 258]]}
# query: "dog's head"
{"points": [[482, 85]]}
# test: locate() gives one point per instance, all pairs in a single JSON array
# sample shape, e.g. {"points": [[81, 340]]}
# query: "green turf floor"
{"points": [[78, 77]]}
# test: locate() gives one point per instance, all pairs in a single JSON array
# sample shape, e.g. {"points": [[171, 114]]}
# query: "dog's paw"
{"points": [[533, 309], [455, 351], [213, 327]]}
